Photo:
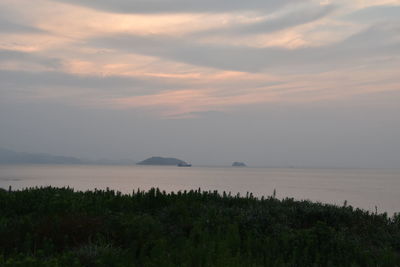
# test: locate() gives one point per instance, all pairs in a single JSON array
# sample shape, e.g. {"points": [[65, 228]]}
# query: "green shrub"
{"points": [[60, 227]]}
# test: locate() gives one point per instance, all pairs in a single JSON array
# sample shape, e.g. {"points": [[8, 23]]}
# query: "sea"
{"points": [[375, 190]]}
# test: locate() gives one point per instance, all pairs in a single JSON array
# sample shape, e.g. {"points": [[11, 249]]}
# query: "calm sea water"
{"points": [[363, 188]]}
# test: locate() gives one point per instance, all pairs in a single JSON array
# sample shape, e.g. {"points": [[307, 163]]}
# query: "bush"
{"points": [[60, 227]]}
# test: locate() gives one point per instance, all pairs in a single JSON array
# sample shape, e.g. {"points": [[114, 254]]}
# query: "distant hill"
{"points": [[11, 157], [161, 161]]}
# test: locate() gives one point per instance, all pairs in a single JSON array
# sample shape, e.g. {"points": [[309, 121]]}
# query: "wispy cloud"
{"points": [[183, 57], [355, 48], [374, 14], [7, 26], [277, 23], [178, 6]]}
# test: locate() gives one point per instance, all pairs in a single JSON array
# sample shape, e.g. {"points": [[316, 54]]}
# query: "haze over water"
{"points": [[363, 188]]}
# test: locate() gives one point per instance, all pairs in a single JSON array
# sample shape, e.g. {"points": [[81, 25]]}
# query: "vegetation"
{"points": [[60, 227]]}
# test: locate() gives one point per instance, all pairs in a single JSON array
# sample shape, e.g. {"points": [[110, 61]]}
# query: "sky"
{"points": [[300, 83]]}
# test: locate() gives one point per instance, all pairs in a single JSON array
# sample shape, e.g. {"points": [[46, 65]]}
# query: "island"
{"points": [[238, 164], [163, 161]]}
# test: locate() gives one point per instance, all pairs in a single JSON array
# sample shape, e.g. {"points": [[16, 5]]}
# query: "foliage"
{"points": [[61, 227]]}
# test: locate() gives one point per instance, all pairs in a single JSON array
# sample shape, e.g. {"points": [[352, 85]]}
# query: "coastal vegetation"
{"points": [[62, 227]]}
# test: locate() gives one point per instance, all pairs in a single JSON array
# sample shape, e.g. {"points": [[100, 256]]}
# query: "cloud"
{"points": [[373, 42], [198, 114], [32, 58], [54, 76], [187, 72], [374, 13], [7, 26], [111, 85], [268, 25], [180, 6]]}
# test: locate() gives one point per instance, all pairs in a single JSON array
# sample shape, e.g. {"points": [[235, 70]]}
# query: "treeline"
{"points": [[60, 227]]}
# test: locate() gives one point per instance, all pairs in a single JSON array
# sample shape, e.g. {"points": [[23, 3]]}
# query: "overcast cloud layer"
{"points": [[271, 83]]}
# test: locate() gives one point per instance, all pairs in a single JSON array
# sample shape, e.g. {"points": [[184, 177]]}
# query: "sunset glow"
{"points": [[202, 56]]}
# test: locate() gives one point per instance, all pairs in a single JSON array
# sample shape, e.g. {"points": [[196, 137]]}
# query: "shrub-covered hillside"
{"points": [[60, 227]]}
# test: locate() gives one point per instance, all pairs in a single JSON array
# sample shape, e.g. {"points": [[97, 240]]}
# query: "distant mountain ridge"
{"points": [[11, 157], [8, 156]]}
